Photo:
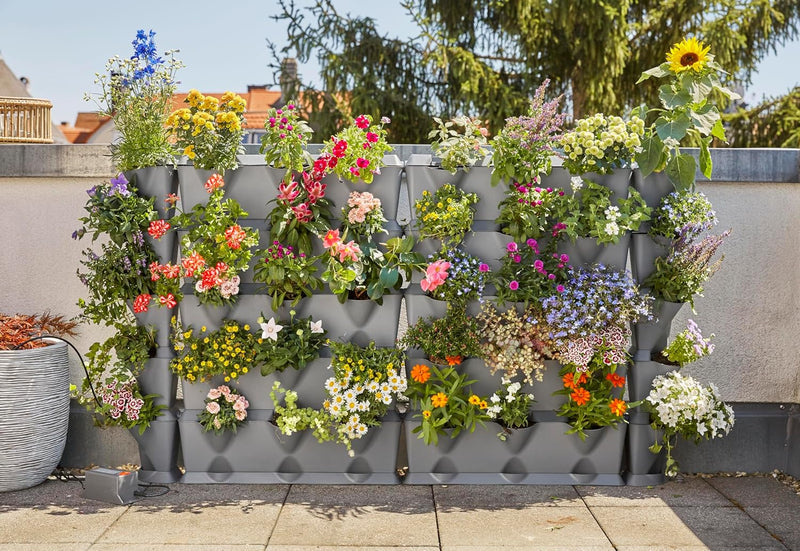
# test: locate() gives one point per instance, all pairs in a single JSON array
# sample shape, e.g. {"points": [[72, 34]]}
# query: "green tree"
{"points": [[485, 58], [773, 123]]}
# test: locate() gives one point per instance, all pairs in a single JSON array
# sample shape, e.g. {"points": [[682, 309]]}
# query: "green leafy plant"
{"points": [[293, 343], [509, 407], [528, 274], [444, 402], [225, 409], [286, 138], [688, 346], [528, 211], [446, 214], [215, 247], [286, 275], [448, 339], [136, 92], [459, 143], [681, 406], [301, 212], [210, 130], [589, 212], [602, 144], [358, 150], [682, 210], [522, 149], [687, 113]]}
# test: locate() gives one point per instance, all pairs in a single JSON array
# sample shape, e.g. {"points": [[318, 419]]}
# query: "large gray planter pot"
{"points": [[159, 317], [423, 175], [644, 467], [157, 182], [385, 186], [309, 383], [166, 248], [618, 182], [645, 249], [157, 378], [259, 454], [252, 185], [539, 454], [34, 413], [357, 321], [653, 188], [158, 450], [585, 251], [559, 178], [652, 336]]}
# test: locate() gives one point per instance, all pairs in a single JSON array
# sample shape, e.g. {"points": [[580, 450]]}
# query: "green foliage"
{"points": [[459, 142], [286, 138], [446, 215], [528, 211], [773, 123], [286, 275], [444, 402], [295, 345], [451, 338]]}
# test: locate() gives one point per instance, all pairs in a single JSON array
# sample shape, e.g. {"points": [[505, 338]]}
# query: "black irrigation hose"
{"points": [[88, 377]]}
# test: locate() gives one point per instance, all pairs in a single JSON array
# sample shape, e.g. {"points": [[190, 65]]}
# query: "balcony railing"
{"points": [[25, 120]]}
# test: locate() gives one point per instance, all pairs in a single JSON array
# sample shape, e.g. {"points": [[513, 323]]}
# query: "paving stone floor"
{"points": [[692, 513]]}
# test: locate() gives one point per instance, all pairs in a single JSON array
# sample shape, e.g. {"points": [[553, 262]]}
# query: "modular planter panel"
{"points": [[644, 468], [259, 454], [357, 321], [158, 450], [538, 454], [585, 251]]}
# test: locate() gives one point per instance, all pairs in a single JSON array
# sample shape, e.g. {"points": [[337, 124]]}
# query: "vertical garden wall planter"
{"points": [[644, 251], [34, 413], [158, 450], [559, 178], [357, 321], [159, 317], [419, 305], [157, 182], [618, 182], [653, 188], [489, 246], [199, 315], [539, 454], [585, 251], [259, 454]]}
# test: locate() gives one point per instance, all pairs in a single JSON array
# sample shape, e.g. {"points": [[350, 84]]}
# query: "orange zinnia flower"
{"points": [[426, 414], [569, 381], [618, 407], [420, 373], [616, 380], [474, 400], [581, 396], [453, 360], [439, 400]]}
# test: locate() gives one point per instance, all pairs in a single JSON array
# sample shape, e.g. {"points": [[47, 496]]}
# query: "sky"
{"points": [[61, 46]]}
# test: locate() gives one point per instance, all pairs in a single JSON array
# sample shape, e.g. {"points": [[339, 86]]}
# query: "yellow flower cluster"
{"points": [[229, 351], [448, 213], [207, 113], [601, 140]]}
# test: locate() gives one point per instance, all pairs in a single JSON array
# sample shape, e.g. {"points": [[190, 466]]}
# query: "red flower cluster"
{"points": [[214, 183], [158, 228]]}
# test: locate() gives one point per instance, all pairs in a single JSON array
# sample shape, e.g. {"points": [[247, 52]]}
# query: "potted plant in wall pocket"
{"points": [[34, 397], [688, 114], [136, 93]]}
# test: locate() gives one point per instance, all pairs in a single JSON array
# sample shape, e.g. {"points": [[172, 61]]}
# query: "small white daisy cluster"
{"points": [[511, 390], [352, 398], [684, 406]]}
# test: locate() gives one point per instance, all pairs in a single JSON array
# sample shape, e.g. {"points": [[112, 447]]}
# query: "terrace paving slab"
{"points": [[755, 491], [682, 492]]}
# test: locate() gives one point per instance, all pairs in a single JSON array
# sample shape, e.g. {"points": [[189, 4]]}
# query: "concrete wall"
{"points": [[751, 304]]}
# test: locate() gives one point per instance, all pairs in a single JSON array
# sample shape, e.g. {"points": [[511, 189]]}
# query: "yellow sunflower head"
{"points": [[688, 54]]}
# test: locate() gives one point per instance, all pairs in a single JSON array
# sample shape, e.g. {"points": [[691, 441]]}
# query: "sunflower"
{"points": [[687, 54]]}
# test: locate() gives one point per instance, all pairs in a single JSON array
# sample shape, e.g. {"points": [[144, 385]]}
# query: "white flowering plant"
{"points": [[291, 343], [602, 144], [681, 406], [459, 143], [509, 407], [590, 212], [690, 212], [365, 382], [225, 409]]}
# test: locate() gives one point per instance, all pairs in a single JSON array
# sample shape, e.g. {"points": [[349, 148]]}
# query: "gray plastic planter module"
{"points": [[259, 454], [357, 321], [489, 246], [246, 310], [385, 186], [156, 378], [644, 468], [309, 383], [585, 251], [618, 182], [166, 248], [652, 336], [252, 185], [158, 450], [653, 188], [158, 182], [159, 317], [644, 251], [539, 454]]}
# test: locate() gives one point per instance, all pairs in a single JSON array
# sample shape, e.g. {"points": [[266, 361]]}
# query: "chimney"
{"points": [[288, 79]]}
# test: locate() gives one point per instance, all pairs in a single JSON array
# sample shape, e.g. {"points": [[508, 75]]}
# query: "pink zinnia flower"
{"points": [[514, 285], [483, 267]]}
